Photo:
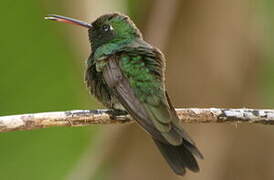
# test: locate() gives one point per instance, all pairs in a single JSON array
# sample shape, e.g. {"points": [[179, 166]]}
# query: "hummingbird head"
{"points": [[112, 28], [106, 29]]}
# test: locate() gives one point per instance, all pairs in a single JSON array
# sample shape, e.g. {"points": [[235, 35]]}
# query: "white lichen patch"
{"points": [[11, 122]]}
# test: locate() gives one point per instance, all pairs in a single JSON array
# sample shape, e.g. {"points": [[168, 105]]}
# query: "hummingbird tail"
{"points": [[180, 157]]}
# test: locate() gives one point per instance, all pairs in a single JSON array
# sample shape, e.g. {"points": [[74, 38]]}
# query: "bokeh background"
{"points": [[219, 54]]}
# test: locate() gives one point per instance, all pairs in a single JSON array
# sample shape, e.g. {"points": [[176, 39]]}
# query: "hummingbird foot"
{"points": [[114, 113]]}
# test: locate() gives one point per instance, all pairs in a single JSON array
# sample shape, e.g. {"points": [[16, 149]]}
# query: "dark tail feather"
{"points": [[180, 157]]}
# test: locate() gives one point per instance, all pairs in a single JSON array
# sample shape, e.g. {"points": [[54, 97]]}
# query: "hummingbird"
{"points": [[125, 73]]}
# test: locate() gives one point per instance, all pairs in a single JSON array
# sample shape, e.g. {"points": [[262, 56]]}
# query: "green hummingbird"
{"points": [[126, 73]]}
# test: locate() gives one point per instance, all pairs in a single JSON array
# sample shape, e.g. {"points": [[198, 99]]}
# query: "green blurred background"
{"points": [[220, 53]]}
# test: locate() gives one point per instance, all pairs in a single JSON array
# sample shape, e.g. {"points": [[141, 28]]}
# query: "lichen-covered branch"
{"points": [[104, 116]]}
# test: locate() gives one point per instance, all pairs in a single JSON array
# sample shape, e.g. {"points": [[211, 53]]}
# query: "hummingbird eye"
{"points": [[107, 27]]}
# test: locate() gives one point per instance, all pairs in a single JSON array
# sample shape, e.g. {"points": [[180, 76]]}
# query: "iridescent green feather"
{"points": [[148, 88]]}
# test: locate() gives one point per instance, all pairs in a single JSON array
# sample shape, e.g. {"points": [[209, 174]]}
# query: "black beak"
{"points": [[68, 20]]}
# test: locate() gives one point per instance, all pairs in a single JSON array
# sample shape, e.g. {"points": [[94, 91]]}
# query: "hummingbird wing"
{"points": [[136, 77]]}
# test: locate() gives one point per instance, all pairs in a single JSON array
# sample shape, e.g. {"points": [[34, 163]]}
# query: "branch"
{"points": [[104, 116]]}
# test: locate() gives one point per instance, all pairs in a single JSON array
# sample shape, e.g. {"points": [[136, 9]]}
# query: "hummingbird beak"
{"points": [[68, 20]]}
